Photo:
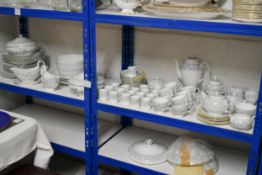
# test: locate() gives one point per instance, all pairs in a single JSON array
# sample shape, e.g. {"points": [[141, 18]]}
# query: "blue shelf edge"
{"points": [[39, 13], [196, 127], [42, 95], [179, 24], [127, 166], [68, 151]]}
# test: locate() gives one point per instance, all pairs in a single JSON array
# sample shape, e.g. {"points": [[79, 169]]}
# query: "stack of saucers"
{"points": [[20, 52], [247, 10]]}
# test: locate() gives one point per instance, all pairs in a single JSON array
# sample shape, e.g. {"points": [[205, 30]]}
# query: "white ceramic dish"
{"points": [[70, 65], [241, 121], [246, 108], [148, 152], [21, 45]]}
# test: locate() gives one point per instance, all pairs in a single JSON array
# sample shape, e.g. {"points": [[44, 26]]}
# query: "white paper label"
{"points": [[17, 11]]}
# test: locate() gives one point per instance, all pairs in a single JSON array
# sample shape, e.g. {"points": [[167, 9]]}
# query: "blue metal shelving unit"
{"points": [[190, 25], [89, 20]]}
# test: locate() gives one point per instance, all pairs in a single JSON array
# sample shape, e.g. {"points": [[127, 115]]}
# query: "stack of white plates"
{"points": [[172, 10], [20, 52], [247, 10]]}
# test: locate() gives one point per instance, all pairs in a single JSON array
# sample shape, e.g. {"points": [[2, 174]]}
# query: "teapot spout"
{"points": [[178, 71]]}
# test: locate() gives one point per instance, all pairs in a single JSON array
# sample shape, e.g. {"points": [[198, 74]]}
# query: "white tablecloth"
{"points": [[22, 139]]}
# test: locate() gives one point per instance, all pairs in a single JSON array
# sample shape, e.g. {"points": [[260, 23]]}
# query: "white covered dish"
{"points": [[21, 45], [186, 151], [148, 152]]}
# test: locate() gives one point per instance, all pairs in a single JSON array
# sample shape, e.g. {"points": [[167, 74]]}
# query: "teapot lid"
{"points": [[20, 41], [215, 81], [192, 60]]}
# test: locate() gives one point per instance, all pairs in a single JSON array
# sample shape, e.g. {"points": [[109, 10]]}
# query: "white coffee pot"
{"points": [[191, 72]]}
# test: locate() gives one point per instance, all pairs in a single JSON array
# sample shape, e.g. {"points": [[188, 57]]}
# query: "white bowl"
{"points": [[70, 65], [189, 3]]}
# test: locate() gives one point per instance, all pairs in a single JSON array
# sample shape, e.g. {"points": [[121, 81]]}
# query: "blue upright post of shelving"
{"points": [[128, 52], [253, 164], [88, 11], [89, 32]]}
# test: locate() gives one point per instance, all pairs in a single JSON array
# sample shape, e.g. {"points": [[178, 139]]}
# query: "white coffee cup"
{"points": [[246, 108], [135, 101], [146, 103], [180, 100], [144, 90], [166, 92], [120, 90], [251, 96], [143, 86], [140, 94], [179, 109], [124, 99], [125, 87], [113, 96], [103, 94], [160, 104], [109, 87], [135, 89]]}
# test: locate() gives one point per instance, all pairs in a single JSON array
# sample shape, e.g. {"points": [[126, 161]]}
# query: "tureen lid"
{"points": [[147, 152], [20, 42], [186, 151]]}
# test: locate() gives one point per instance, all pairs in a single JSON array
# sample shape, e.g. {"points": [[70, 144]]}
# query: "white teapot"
{"points": [[216, 104], [191, 72]]}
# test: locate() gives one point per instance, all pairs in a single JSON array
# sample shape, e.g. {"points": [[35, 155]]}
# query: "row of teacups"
{"points": [[170, 97]]}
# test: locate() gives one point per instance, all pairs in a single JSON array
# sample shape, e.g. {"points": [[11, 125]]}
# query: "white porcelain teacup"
{"points": [[180, 100], [135, 101], [176, 86], [246, 108], [251, 96], [179, 109], [143, 86], [160, 104], [146, 103], [112, 96], [126, 87], [166, 92], [241, 121], [233, 100], [124, 99], [103, 94]]}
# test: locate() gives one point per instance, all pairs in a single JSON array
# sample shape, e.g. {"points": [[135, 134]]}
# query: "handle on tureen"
{"points": [[178, 71]]}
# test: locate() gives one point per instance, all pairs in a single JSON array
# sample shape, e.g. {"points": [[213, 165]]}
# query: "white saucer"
{"points": [[19, 82]]}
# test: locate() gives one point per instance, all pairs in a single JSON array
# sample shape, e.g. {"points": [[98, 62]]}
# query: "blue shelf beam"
{"points": [[37, 13], [127, 166], [179, 24], [68, 151], [43, 95], [206, 129]]}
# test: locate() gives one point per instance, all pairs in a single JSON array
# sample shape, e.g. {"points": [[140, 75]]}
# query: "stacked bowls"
{"points": [[21, 53], [247, 10]]}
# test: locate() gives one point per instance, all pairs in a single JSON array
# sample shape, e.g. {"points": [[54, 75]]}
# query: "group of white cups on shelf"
{"points": [[155, 96]]}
